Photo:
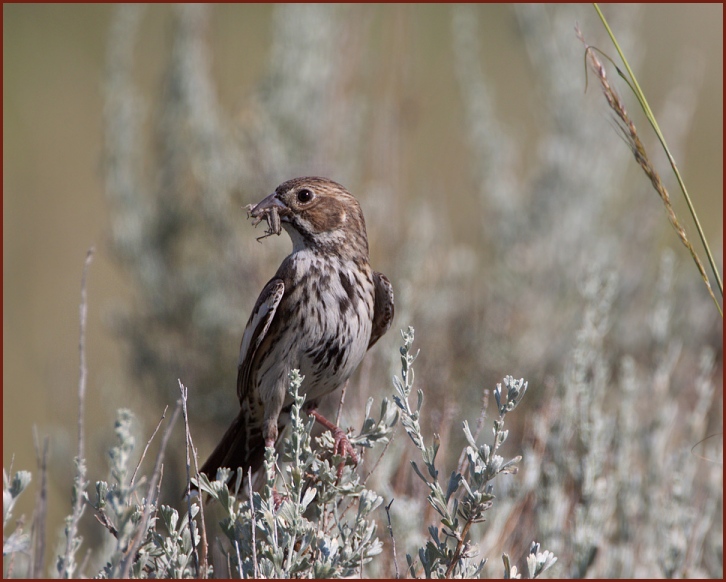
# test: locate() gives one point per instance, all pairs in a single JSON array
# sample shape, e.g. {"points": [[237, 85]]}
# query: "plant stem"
{"points": [[651, 118]]}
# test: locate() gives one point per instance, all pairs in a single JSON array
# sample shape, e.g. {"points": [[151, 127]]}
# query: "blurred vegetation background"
{"points": [[499, 199]]}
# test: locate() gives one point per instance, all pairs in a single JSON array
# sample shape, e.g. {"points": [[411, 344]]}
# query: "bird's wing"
{"points": [[382, 307], [257, 326]]}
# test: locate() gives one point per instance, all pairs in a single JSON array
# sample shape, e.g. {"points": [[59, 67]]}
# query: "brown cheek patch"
{"points": [[326, 216]]}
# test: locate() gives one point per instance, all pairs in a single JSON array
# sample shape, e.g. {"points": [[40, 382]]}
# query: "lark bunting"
{"points": [[320, 313]]}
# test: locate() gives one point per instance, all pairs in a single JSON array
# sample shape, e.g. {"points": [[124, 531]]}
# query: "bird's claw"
{"points": [[343, 448], [277, 498]]}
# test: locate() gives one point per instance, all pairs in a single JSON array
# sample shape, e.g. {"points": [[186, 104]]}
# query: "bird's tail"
{"points": [[241, 446]]}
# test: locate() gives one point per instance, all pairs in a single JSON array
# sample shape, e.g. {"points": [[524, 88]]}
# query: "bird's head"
{"points": [[317, 213]]}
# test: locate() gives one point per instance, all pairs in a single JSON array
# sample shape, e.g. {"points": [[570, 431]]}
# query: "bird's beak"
{"points": [[271, 203]]}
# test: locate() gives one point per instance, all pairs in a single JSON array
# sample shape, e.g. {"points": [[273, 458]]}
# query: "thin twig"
{"points": [[229, 563], [393, 540], [128, 559], [86, 559], [146, 448], [158, 485], [239, 560], [41, 508], [79, 484], [11, 565], [203, 525], [254, 524], [380, 457], [83, 372], [103, 519], [459, 547], [11, 562], [195, 555]]}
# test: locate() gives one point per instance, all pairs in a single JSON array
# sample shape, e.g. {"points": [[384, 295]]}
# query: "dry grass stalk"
{"points": [[641, 156], [200, 566], [67, 566]]}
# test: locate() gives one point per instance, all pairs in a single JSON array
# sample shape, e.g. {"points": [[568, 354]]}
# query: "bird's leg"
{"points": [[277, 498], [342, 444], [269, 432]]}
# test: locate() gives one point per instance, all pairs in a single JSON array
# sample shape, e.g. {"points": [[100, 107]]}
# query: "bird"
{"points": [[322, 311]]}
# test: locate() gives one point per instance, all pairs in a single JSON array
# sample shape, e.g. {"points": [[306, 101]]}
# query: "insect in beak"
{"points": [[269, 210]]}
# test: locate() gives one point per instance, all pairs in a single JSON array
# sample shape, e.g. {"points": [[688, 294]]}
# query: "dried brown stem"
{"points": [[184, 392], [190, 447], [393, 539], [459, 548]]}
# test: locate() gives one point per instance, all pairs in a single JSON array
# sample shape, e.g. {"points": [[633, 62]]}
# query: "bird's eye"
{"points": [[304, 196]]}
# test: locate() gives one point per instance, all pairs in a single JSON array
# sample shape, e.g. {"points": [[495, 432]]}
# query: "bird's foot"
{"points": [[342, 446], [278, 498]]}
